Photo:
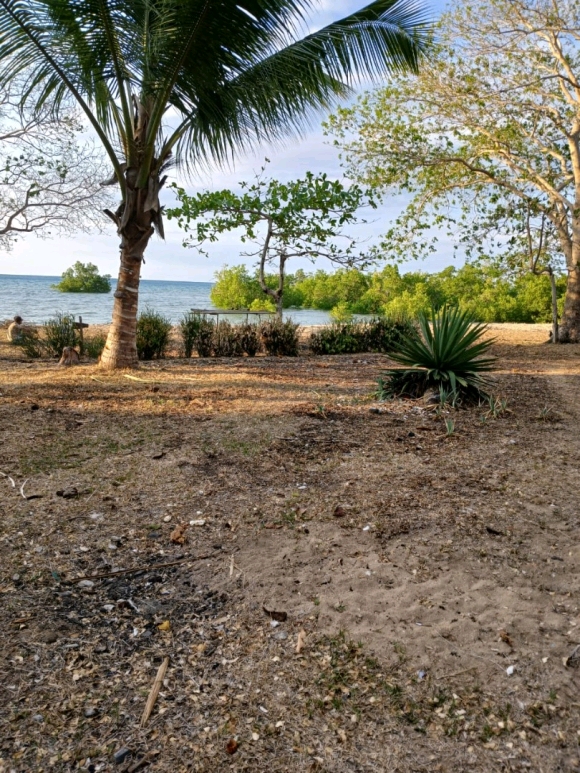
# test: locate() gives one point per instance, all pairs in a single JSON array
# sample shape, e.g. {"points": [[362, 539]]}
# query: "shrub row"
{"points": [[211, 339], [378, 335]]}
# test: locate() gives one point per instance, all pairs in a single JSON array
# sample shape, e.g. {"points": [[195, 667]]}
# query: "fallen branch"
{"points": [[142, 568], [154, 692]]}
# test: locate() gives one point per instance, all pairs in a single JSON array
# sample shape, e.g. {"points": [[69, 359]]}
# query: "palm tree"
{"points": [[187, 82]]}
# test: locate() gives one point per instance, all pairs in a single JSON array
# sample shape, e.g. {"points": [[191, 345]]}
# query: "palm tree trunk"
{"points": [[135, 229]]}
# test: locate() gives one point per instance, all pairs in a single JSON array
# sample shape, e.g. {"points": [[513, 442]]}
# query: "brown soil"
{"points": [[415, 569]]}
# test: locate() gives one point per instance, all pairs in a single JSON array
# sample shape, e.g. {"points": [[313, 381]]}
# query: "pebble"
{"points": [[121, 755], [90, 711], [86, 584], [167, 518], [38, 718], [15, 577], [281, 635]]}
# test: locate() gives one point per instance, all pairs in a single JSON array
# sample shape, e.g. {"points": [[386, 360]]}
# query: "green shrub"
{"points": [[205, 337], [226, 341], [189, 331], [153, 331], [30, 343], [249, 338], [59, 331], [378, 335], [382, 334], [447, 354], [279, 338], [338, 338], [93, 347]]}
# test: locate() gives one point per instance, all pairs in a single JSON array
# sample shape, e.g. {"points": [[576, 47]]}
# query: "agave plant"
{"points": [[448, 353]]}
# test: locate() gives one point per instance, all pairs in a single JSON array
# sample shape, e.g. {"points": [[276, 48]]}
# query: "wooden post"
{"points": [[80, 325]]}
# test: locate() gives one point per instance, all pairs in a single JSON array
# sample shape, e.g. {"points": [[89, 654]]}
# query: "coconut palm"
{"points": [[188, 82]]}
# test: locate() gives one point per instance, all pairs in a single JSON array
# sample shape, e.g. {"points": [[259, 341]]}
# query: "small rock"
{"points": [[38, 718], [86, 584], [197, 522], [281, 635], [15, 577], [90, 711], [121, 755], [70, 492], [167, 518], [109, 607], [49, 637]]}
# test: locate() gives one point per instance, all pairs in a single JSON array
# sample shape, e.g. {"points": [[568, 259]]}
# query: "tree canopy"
{"points": [[83, 278], [303, 218], [486, 140]]}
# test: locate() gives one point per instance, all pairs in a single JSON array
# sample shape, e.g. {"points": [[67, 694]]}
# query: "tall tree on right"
{"points": [[490, 129]]}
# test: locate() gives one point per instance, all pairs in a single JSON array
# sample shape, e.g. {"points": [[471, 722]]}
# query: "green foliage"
{"points": [[153, 331], [488, 293], [341, 312], [58, 332], [83, 278], [378, 335], [30, 343], [338, 338], [226, 340], [448, 353], [249, 338], [496, 177], [205, 336], [189, 330], [94, 346], [279, 338]]}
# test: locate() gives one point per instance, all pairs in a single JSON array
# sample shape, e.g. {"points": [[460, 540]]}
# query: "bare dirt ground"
{"points": [[426, 587]]}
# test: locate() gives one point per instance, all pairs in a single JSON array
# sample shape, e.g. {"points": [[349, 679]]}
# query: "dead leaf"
{"points": [[281, 617], [164, 626], [505, 637], [300, 641], [178, 534], [339, 512], [232, 746]]}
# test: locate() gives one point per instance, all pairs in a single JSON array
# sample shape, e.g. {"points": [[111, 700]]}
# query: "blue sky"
{"points": [[169, 260]]}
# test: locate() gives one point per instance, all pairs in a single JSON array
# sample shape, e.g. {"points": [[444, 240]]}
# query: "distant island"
{"points": [[83, 278]]}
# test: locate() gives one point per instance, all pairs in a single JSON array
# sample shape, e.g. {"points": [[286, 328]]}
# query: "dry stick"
{"points": [[142, 568], [154, 692], [22, 489], [3, 474]]}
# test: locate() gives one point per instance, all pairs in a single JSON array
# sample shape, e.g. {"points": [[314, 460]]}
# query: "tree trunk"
{"points": [[279, 307], [135, 229], [554, 288], [570, 326]]}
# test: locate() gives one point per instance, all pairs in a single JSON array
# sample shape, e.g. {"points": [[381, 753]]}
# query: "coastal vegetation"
{"points": [[303, 218], [83, 278], [231, 78], [483, 290], [484, 144]]}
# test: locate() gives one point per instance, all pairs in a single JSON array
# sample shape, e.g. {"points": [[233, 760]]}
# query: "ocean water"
{"points": [[35, 301]]}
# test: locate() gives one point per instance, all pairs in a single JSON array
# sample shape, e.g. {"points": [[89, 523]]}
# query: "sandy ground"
{"points": [[425, 587]]}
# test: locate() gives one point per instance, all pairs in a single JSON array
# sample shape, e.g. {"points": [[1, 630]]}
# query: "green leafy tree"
{"points": [[486, 141], [299, 219], [83, 278], [186, 82]]}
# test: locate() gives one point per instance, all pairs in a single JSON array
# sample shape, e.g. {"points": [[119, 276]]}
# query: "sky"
{"points": [[168, 259]]}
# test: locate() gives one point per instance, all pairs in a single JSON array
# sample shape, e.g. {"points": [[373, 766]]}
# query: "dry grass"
{"points": [[419, 567]]}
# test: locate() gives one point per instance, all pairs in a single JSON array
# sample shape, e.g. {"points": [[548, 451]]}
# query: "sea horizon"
{"points": [[32, 297]]}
